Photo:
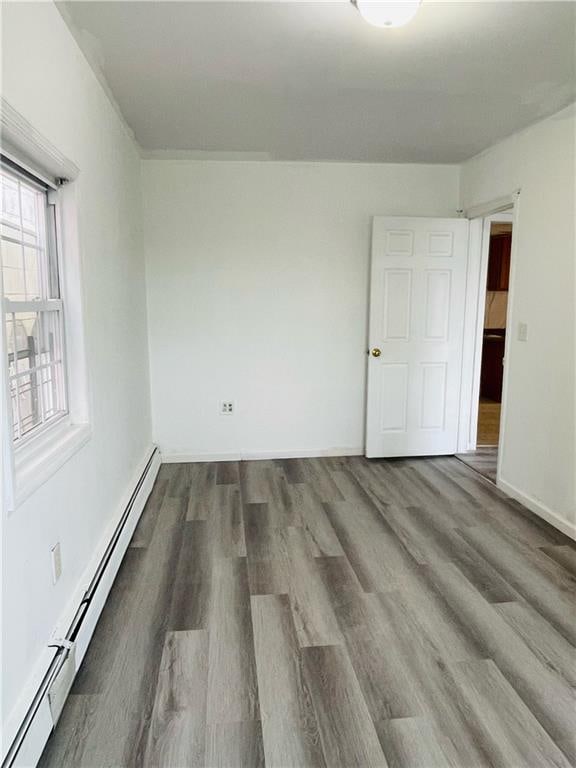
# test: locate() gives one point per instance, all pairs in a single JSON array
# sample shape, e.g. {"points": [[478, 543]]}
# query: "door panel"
{"points": [[416, 320], [393, 396], [437, 304], [397, 299], [433, 396]]}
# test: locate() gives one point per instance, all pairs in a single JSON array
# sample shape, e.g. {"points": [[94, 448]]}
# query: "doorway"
{"points": [[492, 343]]}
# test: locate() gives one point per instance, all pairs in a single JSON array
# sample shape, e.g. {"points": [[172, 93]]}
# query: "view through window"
{"points": [[32, 305]]}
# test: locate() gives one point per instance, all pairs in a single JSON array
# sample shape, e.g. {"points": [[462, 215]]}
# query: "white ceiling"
{"points": [[312, 81]]}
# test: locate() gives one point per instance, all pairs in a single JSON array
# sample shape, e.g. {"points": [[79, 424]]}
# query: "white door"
{"points": [[417, 296]]}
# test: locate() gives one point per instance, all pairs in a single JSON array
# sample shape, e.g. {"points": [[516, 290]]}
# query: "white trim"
{"points": [[479, 330], [42, 181], [72, 287], [509, 335], [203, 155], [23, 143], [498, 205], [42, 457], [473, 283], [36, 305], [480, 303], [42, 725], [503, 209], [39, 455], [539, 509], [302, 453]]}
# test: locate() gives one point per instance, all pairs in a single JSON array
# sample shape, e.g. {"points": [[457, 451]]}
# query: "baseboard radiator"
{"points": [[50, 697]]}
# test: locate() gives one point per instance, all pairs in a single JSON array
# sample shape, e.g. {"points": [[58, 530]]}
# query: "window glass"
{"points": [[33, 314]]}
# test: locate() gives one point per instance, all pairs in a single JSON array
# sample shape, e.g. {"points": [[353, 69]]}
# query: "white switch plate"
{"points": [[522, 331], [226, 408], [56, 560]]}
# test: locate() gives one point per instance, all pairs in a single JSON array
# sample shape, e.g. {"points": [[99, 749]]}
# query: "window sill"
{"points": [[35, 463]]}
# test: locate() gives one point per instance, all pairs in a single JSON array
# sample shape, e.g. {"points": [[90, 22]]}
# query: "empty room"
{"points": [[288, 367]]}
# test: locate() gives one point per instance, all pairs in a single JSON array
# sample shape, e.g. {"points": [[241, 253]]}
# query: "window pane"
{"points": [[29, 198], [28, 402], [51, 383], [36, 369], [49, 346], [37, 339], [10, 338], [10, 201], [29, 266], [15, 424], [32, 274], [11, 255], [25, 259], [26, 336], [14, 284]]}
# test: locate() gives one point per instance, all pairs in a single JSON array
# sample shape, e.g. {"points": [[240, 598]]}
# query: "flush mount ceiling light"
{"points": [[380, 13]]}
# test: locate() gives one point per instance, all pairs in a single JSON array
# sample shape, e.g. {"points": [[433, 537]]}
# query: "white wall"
{"points": [[257, 278], [539, 456], [48, 81], [257, 288]]}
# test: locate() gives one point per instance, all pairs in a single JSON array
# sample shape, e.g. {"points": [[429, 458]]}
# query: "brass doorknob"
{"points": [[376, 352]]}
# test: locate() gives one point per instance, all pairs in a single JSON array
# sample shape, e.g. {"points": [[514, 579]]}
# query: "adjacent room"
{"points": [[288, 359], [497, 238]]}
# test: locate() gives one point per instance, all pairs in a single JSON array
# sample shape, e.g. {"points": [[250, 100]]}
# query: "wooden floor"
{"points": [[482, 460], [488, 423], [331, 612]]}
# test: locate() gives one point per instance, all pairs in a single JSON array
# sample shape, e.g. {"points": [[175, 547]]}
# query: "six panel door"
{"points": [[417, 296]]}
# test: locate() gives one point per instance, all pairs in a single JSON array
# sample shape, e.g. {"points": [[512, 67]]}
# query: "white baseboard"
{"points": [[298, 453], [539, 509], [41, 727]]}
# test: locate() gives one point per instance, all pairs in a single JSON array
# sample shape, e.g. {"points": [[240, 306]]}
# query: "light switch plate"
{"points": [[522, 331], [56, 560]]}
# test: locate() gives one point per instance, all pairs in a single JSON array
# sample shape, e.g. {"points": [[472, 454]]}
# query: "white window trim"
{"points": [[27, 467], [42, 457]]}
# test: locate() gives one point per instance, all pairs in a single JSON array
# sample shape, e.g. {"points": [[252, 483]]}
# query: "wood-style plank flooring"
{"points": [[330, 612], [488, 422], [482, 460]]}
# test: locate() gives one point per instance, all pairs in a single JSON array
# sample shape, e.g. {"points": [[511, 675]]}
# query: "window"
{"points": [[32, 304]]}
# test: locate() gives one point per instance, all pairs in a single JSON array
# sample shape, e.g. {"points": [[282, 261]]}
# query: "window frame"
{"points": [[26, 467], [52, 301]]}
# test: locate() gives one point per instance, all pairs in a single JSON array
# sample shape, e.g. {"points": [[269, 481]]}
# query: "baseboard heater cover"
{"points": [[61, 684], [57, 681]]}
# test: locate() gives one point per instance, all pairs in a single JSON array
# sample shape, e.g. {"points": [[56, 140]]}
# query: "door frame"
{"points": [[481, 218]]}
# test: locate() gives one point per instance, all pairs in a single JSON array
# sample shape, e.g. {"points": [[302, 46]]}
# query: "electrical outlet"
{"points": [[226, 408], [56, 560]]}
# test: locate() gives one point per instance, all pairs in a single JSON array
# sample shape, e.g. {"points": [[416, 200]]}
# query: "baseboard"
{"points": [[41, 726], [539, 509], [298, 453]]}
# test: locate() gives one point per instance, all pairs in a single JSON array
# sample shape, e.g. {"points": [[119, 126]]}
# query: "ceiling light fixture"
{"points": [[384, 14]]}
